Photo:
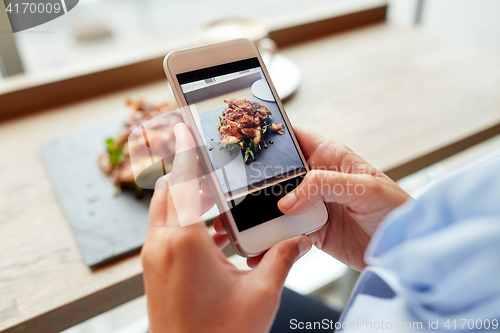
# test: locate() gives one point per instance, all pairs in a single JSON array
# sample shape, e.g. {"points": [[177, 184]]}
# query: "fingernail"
{"points": [[176, 129], [304, 245], [288, 201]]}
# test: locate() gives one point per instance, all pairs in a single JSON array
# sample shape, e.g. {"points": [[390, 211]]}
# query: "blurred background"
{"points": [[411, 85], [102, 32]]}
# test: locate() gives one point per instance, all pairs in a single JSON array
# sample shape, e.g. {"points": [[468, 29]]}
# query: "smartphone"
{"points": [[246, 144]]}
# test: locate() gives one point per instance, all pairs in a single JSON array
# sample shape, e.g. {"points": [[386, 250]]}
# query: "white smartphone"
{"points": [[247, 146]]}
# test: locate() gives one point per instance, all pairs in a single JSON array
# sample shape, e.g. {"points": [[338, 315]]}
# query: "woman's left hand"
{"points": [[190, 285]]}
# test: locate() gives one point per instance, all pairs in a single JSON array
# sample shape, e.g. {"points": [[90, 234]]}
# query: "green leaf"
{"points": [[117, 191], [264, 128], [110, 143], [255, 108], [114, 152], [248, 153]]}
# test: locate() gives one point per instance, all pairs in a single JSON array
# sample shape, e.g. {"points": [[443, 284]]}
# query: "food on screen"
{"points": [[243, 124]]}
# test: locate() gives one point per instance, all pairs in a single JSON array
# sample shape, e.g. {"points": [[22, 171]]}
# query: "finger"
{"points": [[278, 260], [322, 153], [328, 186], [184, 178], [207, 202], [252, 262], [185, 166], [309, 141], [220, 240], [157, 206], [161, 209], [205, 188], [219, 226]]}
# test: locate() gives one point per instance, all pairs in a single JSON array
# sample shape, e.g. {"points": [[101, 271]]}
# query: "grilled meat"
{"points": [[243, 123], [277, 127]]}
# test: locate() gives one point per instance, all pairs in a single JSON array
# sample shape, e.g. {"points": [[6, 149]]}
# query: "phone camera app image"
{"points": [[245, 135]]}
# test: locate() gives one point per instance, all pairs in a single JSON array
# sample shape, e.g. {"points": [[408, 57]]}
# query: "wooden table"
{"points": [[400, 98]]}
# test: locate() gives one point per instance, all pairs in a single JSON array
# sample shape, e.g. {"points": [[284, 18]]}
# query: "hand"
{"points": [[358, 196], [190, 285]]}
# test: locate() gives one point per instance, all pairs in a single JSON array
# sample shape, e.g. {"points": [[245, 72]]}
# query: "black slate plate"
{"points": [[105, 227], [280, 156]]}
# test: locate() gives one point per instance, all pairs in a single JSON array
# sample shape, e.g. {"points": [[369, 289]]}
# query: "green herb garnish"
{"points": [[251, 150], [221, 124], [248, 153], [117, 191], [114, 152], [267, 124], [255, 108]]}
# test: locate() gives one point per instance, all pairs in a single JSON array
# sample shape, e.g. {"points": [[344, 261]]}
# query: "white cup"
{"points": [[239, 27]]}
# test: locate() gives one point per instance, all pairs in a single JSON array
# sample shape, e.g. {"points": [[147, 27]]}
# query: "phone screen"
{"points": [[249, 145]]}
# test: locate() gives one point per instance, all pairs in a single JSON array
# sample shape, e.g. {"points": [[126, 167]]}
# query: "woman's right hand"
{"points": [[358, 197]]}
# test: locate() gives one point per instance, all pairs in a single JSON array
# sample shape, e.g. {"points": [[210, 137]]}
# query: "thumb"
{"points": [[278, 260]]}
